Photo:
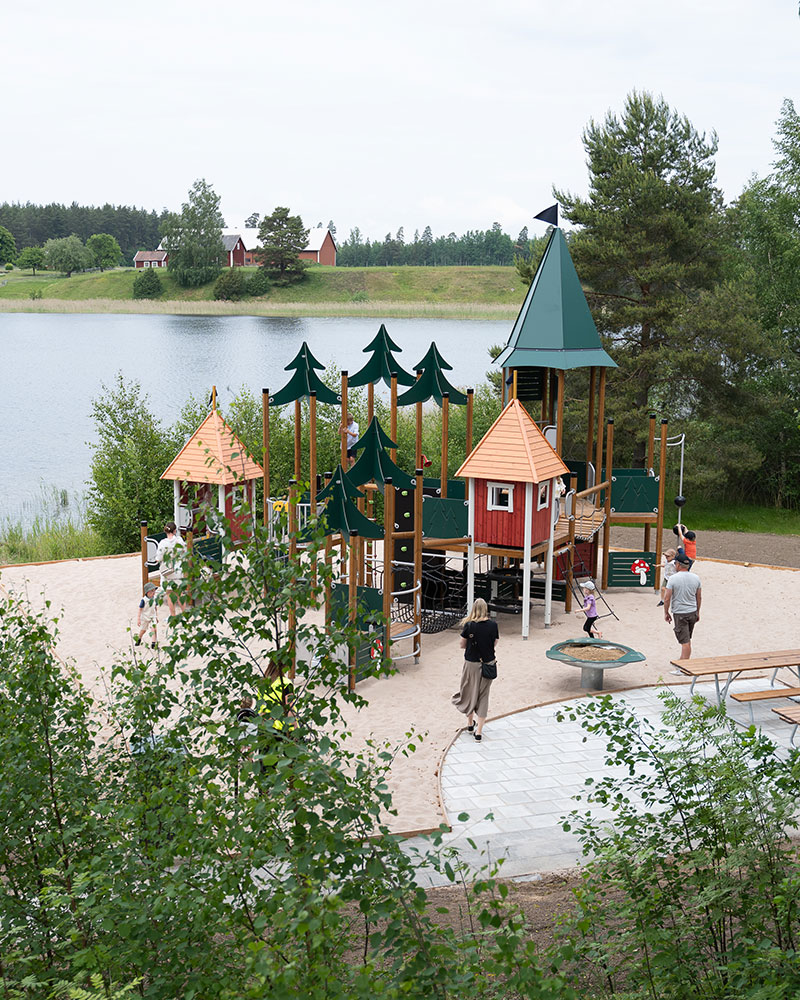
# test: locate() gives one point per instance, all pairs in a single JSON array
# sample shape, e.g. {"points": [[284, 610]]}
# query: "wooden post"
{"points": [[445, 433], [514, 384], [601, 413], [393, 414], [265, 448], [371, 403], [329, 566], [142, 536], [651, 438], [344, 421], [388, 585], [590, 424], [526, 555], [552, 414], [418, 457], [545, 393], [573, 485], [298, 430], [662, 486], [607, 524], [292, 616], [353, 606], [470, 405], [312, 452], [471, 546], [503, 388], [418, 558], [560, 412]]}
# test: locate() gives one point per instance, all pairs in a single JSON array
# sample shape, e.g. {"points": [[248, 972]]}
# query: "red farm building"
{"points": [[321, 247], [150, 258], [214, 473], [513, 496]]}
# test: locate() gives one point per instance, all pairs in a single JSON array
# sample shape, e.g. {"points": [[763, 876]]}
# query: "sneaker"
{"points": [[478, 737], [660, 604], [137, 640], [677, 671]]}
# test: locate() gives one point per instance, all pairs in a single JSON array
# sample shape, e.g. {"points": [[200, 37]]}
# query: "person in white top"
{"points": [[350, 429], [171, 551]]}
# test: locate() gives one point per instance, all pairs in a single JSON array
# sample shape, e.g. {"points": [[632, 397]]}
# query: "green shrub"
{"points": [[9, 267], [148, 284], [36, 293], [259, 283], [230, 285]]}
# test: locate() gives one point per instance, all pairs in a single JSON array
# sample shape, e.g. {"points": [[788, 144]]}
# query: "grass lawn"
{"points": [[707, 515], [494, 287]]}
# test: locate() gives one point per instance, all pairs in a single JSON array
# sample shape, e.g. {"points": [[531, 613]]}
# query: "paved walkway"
{"points": [[526, 771]]}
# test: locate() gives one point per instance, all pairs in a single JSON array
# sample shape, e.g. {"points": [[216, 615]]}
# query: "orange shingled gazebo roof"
{"points": [[213, 454], [513, 449]]}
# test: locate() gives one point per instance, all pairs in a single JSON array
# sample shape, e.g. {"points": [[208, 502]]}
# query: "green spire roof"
{"points": [[341, 514], [304, 381], [374, 464], [554, 328], [382, 363], [432, 383]]}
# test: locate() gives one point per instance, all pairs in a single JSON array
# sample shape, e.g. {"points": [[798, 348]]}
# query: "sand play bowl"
{"points": [[593, 656]]}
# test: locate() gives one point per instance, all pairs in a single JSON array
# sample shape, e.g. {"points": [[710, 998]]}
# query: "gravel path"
{"points": [[737, 546]]}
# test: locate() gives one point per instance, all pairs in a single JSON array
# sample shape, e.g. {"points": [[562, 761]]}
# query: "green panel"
{"points": [[578, 469], [620, 573], [633, 492], [209, 548], [444, 518], [370, 606], [456, 488]]}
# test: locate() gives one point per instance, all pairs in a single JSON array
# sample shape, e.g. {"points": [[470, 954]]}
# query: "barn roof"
{"points": [[150, 255], [213, 454], [513, 450], [229, 240]]}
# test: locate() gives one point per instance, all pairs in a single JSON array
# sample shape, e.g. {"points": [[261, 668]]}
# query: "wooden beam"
{"points": [[445, 435], [298, 431], [607, 525], [265, 447], [418, 558], [662, 485], [388, 545], [343, 450], [560, 412], [470, 406]]}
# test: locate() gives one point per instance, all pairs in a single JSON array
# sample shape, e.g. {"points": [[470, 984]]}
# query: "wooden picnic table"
{"points": [[739, 663]]}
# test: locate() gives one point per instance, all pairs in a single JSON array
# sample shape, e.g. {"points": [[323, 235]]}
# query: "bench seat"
{"points": [[746, 696], [790, 714]]}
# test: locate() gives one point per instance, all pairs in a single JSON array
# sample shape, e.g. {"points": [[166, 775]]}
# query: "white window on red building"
{"points": [[500, 496]]}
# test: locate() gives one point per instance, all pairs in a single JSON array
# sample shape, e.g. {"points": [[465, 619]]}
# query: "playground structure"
{"points": [[518, 532]]}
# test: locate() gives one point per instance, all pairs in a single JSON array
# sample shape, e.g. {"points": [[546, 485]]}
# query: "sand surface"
{"points": [[744, 609]]}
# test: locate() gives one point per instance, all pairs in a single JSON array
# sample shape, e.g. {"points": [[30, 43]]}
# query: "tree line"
{"points": [[476, 247], [32, 225]]}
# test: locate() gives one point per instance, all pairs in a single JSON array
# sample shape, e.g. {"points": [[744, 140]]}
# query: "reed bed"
{"points": [[378, 309]]}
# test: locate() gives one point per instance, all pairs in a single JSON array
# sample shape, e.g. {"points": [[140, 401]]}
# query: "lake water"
{"points": [[52, 366]]}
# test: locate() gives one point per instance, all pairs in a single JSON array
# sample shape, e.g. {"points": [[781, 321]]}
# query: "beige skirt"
{"points": [[473, 696]]}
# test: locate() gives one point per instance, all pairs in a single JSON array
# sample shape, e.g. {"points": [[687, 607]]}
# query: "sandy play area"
{"points": [[745, 609]]}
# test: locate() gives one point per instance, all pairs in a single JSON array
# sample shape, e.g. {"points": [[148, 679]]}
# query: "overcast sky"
{"points": [[427, 112]]}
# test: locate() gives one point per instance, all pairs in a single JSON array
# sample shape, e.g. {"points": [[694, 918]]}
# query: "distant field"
{"points": [[477, 292]]}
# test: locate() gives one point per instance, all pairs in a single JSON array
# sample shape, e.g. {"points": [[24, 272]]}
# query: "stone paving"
{"points": [[518, 783]]}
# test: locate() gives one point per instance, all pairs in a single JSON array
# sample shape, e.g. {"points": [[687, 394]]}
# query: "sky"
{"points": [[450, 114]]}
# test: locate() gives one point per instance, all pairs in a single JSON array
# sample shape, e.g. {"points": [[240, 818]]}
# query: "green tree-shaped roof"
{"points": [[304, 381], [555, 328], [432, 383], [374, 464], [382, 363], [340, 514]]}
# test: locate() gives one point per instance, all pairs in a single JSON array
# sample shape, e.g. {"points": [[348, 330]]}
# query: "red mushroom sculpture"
{"points": [[641, 566]]}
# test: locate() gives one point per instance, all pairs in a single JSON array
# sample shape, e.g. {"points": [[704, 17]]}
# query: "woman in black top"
{"points": [[479, 635]]}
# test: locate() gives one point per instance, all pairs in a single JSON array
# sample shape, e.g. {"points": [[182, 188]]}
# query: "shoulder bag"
{"points": [[488, 670]]}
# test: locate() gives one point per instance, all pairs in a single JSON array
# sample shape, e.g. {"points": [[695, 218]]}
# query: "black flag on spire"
{"points": [[549, 215]]}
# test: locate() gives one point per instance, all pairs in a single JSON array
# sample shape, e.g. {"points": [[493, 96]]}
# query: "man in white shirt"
{"points": [[684, 596]]}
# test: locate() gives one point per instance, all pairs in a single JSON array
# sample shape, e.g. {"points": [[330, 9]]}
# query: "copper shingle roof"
{"points": [[513, 449], [213, 454]]}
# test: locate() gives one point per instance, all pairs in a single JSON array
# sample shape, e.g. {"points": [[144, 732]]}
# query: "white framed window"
{"points": [[500, 496], [543, 495]]}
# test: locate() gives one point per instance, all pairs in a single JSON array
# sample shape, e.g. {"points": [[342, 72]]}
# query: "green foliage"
{"points": [[528, 257], [8, 247], [258, 283], [231, 285], [67, 255], [48, 538], [31, 257], [9, 267], [282, 237], [148, 284], [695, 891], [193, 237], [105, 250], [130, 454], [211, 858], [36, 294]]}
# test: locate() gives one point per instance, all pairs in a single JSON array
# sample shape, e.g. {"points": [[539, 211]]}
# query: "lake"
{"points": [[52, 366]]}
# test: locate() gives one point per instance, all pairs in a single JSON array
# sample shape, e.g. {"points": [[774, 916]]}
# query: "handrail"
{"points": [[593, 489]]}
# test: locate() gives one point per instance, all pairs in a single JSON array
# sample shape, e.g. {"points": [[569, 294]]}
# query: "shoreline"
{"points": [[193, 307]]}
